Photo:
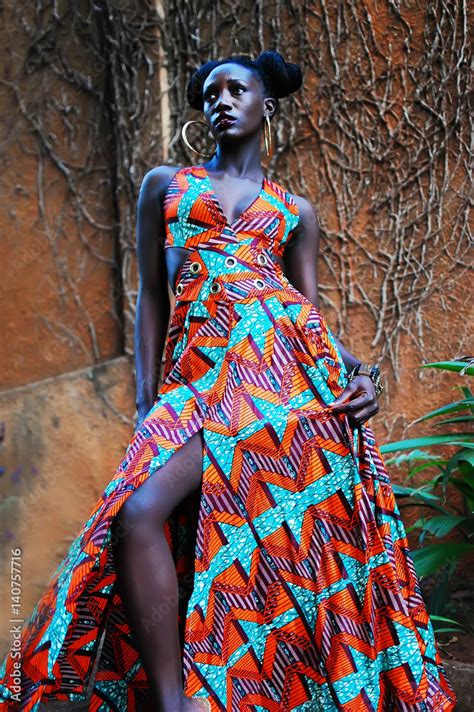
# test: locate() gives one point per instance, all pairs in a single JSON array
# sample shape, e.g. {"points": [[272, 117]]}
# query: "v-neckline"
{"points": [[218, 203]]}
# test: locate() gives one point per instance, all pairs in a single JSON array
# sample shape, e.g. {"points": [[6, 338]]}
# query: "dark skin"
{"points": [[145, 570]]}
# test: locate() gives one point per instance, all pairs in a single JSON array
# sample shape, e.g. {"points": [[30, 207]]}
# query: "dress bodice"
{"points": [[194, 218]]}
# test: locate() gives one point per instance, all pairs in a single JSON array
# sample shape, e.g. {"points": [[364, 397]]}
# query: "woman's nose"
{"points": [[223, 101]]}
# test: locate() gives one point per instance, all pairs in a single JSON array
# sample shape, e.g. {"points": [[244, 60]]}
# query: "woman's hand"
{"points": [[358, 400]]}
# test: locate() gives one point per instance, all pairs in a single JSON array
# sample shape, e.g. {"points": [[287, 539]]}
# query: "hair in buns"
{"points": [[279, 77]]}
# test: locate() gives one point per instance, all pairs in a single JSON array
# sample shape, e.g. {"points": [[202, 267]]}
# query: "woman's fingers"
{"points": [[339, 403], [358, 400], [351, 405], [360, 416]]}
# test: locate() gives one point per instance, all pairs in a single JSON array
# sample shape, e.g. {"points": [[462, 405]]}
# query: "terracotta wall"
{"points": [[67, 400], [57, 252]]}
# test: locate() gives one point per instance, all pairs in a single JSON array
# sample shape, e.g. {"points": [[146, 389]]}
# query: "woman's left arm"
{"points": [[300, 261]]}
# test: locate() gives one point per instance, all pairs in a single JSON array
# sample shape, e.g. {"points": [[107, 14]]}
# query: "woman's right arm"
{"points": [[153, 306]]}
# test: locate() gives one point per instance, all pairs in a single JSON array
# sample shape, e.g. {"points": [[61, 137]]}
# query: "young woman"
{"points": [[248, 553]]}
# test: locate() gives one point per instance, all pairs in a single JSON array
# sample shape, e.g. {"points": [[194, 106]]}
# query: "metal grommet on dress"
{"points": [[215, 287], [261, 259], [230, 261], [195, 267], [259, 283], [179, 289]]}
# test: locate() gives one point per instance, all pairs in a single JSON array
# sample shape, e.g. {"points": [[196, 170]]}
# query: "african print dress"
{"points": [[297, 587]]}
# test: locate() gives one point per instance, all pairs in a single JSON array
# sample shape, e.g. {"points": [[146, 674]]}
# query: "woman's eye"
{"points": [[210, 97]]}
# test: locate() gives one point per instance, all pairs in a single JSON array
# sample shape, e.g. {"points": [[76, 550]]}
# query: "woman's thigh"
{"points": [[155, 499]]}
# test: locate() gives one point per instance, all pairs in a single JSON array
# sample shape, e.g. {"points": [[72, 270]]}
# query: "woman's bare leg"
{"points": [[146, 573]]}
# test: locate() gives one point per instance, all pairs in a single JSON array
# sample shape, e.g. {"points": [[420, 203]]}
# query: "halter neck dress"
{"points": [[297, 587]]}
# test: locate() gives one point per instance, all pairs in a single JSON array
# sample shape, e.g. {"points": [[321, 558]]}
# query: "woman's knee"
{"points": [[134, 518], [148, 507]]}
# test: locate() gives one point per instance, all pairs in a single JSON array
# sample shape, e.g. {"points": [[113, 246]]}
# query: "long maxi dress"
{"points": [[297, 587]]}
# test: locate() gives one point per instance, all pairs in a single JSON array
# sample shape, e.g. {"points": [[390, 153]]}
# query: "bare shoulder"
{"points": [[307, 211], [156, 181], [150, 213]]}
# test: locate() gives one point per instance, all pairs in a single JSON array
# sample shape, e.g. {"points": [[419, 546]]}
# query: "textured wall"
{"points": [[56, 212], [63, 439], [67, 404]]}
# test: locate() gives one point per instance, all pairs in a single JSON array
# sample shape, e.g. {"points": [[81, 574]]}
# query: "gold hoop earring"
{"points": [[183, 136], [267, 135]]}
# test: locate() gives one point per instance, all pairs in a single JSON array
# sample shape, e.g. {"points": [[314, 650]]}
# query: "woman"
{"points": [[250, 538]]}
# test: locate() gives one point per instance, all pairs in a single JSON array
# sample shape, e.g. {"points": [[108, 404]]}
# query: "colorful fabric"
{"points": [[293, 559]]}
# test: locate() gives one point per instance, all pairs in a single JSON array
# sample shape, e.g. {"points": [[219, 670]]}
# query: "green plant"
{"points": [[443, 488]]}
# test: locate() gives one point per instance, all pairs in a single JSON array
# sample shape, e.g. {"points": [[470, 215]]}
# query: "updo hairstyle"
{"points": [[279, 77]]}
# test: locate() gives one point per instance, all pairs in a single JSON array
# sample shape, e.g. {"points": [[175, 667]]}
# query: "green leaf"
{"points": [[451, 366], [463, 460], [461, 419], [466, 466], [431, 558], [422, 494], [419, 524], [466, 489], [457, 626], [409, 491], [440, 464], [442, 618], [466, 455], [440, 525], [460, 461], [413, 455], [428, 441], [453, 407]]}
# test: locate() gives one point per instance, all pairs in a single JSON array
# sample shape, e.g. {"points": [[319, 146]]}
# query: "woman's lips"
{"points": [[222, 123]]}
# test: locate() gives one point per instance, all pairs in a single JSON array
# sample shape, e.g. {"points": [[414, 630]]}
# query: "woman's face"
{"points": [[233, 90]]}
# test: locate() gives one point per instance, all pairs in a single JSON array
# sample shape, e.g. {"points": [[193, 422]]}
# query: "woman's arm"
{"points": [[300, 260], [153, 306]]}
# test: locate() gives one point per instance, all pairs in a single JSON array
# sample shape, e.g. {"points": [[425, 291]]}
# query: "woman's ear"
{"points": [[269, 106]]}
